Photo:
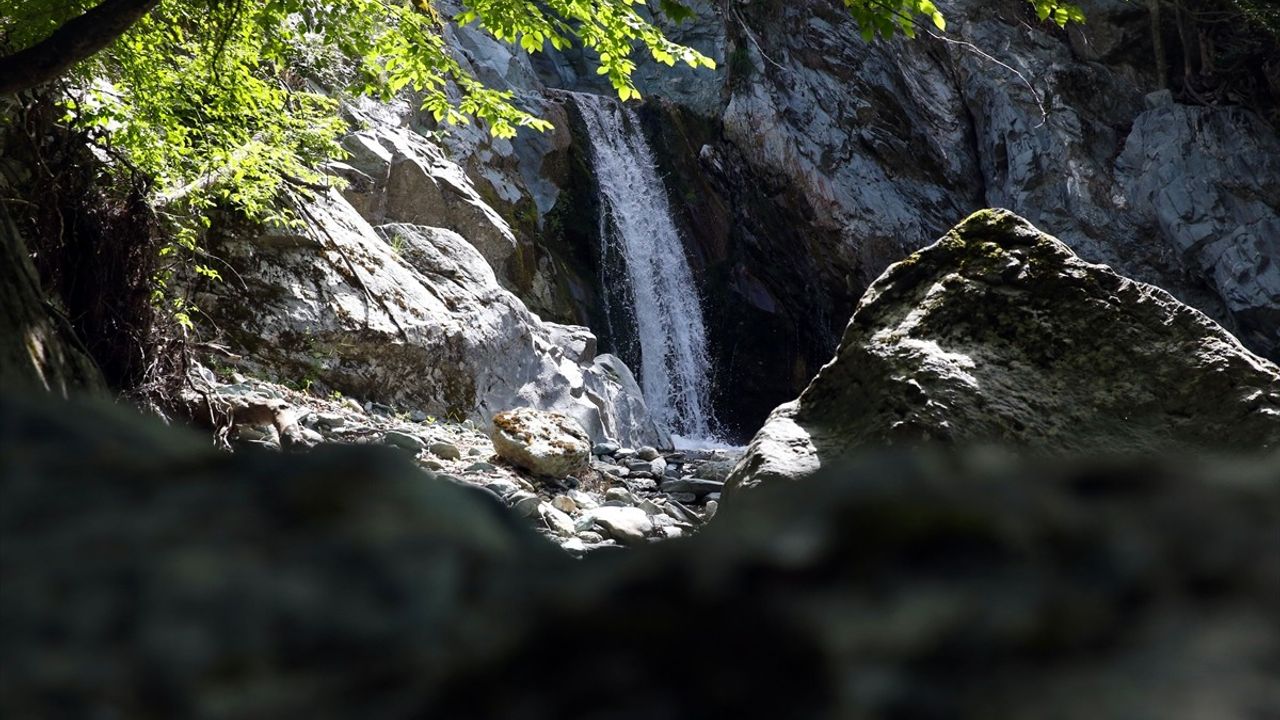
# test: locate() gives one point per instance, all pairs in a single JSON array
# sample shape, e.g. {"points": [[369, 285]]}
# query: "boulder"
{"points": [[148, 576], [544, 443], [998, 333], [411, 316]]}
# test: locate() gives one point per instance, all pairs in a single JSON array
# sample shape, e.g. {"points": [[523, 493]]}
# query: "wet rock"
{"points": [[549, 444], [648, 453]]}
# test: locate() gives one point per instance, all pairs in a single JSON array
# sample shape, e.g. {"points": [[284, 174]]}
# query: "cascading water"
{"points": [[653, 279]]}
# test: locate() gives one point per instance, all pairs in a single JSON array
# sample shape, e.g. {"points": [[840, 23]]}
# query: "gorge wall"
{"points": [[810, 161]]}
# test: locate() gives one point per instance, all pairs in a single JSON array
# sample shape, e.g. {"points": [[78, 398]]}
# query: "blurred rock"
{"points": [[148, 576]]}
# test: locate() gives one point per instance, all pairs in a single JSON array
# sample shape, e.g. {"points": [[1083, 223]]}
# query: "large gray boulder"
{"points": [[409, 315], [146, 575], [998, 333]]}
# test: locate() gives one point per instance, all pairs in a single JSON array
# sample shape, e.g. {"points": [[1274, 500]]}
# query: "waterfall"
{"points": [[646, 273]]}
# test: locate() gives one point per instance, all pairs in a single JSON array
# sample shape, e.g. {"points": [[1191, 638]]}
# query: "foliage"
{"points": [[222, 103]]}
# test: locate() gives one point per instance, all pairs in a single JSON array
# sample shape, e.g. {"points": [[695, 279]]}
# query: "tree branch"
{"points": [[76, 40]]}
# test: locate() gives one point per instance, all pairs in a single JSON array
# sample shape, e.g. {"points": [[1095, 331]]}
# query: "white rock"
{"points": [[550, 444], [627, 525]]}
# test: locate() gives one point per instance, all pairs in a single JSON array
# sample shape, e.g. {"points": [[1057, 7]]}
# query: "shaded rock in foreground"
{"points": [[180, 582], [999, 333]]}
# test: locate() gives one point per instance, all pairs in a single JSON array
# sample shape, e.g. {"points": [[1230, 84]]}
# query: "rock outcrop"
{"points": [[411, 315], [998, 333], [148, 576], [810, 160]]}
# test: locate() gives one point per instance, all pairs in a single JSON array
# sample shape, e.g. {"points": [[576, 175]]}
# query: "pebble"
{"points": [[445, 450], [591, 537], [683, 497], [671, 532], [403, 440], [712, 507], [418, 416], [658, 467], [623, 454], [475, 452], [574, 545], [651, 508], [481, 467], [430, 464], [648, 453], [564, 504]]}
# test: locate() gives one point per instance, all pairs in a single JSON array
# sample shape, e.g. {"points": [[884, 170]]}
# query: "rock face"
{"points": [[183, 582], [811, 160], [543, 443], [999, 333], [411, 315]]}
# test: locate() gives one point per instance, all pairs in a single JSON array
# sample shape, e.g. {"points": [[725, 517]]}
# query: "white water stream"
{"points": [[636, 223]]}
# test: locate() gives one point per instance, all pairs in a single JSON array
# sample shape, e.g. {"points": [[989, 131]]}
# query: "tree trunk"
{"points": [[1157, 41], [77, 39], [37, 348]]}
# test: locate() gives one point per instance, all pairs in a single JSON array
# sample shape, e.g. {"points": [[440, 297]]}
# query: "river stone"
{"points": [[403, 440], [658, 467], [564, 504], [648, 453], [605, 448], [627, 525], [697, 486], [544, 443], [556, 520], [445, 450], [999, 333]]}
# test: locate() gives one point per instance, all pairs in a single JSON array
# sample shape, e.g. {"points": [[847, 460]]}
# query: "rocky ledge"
{"points": [[998, 333]]}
